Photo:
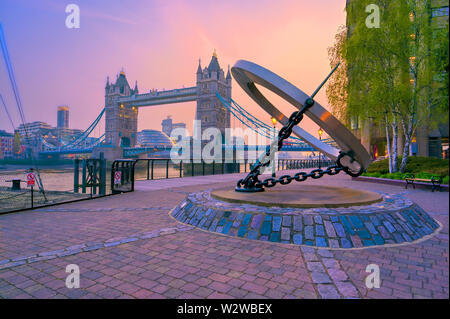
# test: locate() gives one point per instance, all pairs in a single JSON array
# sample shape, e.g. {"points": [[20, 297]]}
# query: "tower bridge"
{"points": [[122, 105], [215, 107]]}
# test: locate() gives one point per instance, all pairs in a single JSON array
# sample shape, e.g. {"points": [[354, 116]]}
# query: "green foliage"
{"points": [[337, 85], [378, 61], [421, 167], [17, 143], [440, 68]]}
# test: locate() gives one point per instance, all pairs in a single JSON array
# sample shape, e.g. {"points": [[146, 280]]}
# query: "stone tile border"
{"points": [[103, 209], [395, 220], [76, 249]]}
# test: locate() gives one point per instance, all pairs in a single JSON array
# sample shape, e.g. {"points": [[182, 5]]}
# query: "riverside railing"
{"points": [[53, 183], [125, 172]]}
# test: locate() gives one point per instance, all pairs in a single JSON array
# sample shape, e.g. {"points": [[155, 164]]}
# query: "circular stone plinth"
{"points": [[391, 221], [301, 196]]}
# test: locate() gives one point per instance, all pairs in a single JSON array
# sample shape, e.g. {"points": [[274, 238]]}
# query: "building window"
{"points": [[439, 12]]}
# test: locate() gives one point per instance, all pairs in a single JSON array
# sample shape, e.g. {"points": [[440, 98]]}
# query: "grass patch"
{"points": [[421, 167]]}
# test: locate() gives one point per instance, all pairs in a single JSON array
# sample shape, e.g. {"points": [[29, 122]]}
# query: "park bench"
{"points": [[434, 180]]}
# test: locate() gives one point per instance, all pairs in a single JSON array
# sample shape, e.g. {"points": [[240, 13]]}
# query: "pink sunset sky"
{"points": [[158, 43]]}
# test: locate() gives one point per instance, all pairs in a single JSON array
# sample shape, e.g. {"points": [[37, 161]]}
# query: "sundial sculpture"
{"points": [[352, 158], [313, 215]]}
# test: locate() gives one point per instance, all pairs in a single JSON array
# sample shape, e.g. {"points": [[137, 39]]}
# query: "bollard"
{"points": [[181, 169], [76, 175], [83, 177], [102, 187], [167, 168]]}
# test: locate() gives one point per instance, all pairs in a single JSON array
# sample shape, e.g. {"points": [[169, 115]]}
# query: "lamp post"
{"points": [[320, 138], [274, 122]]}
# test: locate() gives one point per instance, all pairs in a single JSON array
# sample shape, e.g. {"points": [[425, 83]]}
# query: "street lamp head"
{"points": [[320, 132], [274, 121]]}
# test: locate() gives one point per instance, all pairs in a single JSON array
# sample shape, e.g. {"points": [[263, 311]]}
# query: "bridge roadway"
{"points": [[133, 151], [162, 97]]}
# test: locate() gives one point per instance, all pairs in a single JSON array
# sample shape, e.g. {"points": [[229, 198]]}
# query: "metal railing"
{"points": [[125, 172], [122, 176], [53, 184]]}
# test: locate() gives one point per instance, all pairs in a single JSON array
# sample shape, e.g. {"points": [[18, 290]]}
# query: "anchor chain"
{"points": [[251, 182]]}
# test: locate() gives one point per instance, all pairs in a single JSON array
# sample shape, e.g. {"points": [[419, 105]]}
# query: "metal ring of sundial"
{"points": [[247, 74]]}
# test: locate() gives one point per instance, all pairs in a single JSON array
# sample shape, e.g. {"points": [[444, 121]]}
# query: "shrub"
{"points": [[421, 167]]}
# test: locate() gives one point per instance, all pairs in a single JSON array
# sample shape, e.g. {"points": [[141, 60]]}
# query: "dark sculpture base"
{"points": [[249, 190]]}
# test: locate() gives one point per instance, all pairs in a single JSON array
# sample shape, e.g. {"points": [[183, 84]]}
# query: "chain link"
{"points": [[251, 181]]}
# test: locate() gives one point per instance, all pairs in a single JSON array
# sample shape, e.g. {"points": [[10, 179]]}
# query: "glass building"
{"points": [[153, 138], [63, 117]]}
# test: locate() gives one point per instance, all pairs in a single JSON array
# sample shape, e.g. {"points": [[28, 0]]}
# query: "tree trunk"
{"points": [[388, 145], [394, 146], [408, 137]]}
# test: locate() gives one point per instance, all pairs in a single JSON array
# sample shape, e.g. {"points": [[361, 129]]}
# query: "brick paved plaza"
{"points": [[127, 246]]}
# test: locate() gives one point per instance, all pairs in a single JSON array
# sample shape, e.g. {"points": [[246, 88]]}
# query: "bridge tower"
{"points": [[120, 117], [210, 110]]}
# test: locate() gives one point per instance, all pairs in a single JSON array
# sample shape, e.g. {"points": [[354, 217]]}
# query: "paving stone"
{"points": [[330, 263], [287, 221], [325, 253], [274, 237], [297, 239], [276, 223], [320, 231], [256, 222], [371, 228], [347, 225], [285, 233], [389, 226], [347, 289], [329, 229], [328, 291], [378, 239], [320, 278], [308, 220], [315, 266], [368, 242], [252, 234], [363, 234], [339, 229], [242, 231], [321, 242], [345, 243], [334, 243], [309, 232], [298, 223], [318, 219], [247, 219], [227, 227], [356, 221], [384, 233], [266, 228]]}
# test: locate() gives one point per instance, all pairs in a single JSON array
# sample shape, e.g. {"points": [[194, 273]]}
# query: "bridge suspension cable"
{"points": [[256, 124], [83, 136], [15, 89], [7, 112]]}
